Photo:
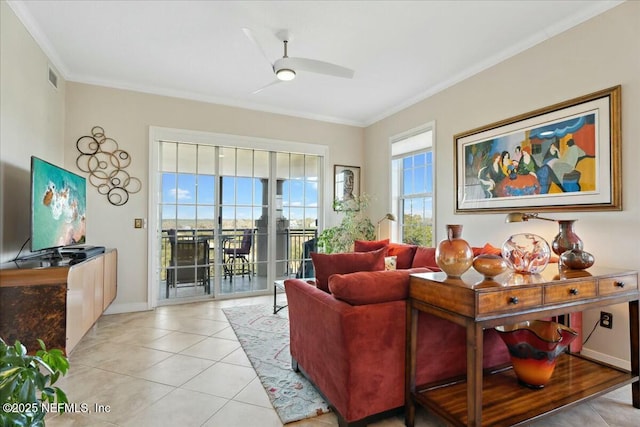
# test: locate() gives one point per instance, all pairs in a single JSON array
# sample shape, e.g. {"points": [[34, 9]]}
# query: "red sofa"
{"points": [[348, 334]]}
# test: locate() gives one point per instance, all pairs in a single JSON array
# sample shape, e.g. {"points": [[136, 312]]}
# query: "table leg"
{"points": [[410, 366], [634, 329], [275, 306], [475, 342]]}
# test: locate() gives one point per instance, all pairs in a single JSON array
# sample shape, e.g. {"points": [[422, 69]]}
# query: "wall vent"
{"points": [[53, 78]]}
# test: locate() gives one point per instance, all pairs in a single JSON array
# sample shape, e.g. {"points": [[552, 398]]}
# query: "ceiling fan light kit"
{"points": [[285, 74]]}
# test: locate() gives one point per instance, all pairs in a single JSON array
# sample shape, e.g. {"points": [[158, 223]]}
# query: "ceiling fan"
{"points": [[286, 68]]}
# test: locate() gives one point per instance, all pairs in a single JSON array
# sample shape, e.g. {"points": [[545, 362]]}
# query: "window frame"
{"points": [[397, 182]]}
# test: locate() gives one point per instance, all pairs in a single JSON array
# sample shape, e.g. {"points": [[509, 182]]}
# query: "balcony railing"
{"points": [[299, 244]]}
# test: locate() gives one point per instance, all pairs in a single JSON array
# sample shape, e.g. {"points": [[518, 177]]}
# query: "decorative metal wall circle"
{"points": [[105, 163]]}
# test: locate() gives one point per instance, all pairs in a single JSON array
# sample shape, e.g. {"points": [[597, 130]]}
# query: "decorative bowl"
{"points": [[490, 265], [534, 347], [576, 259], [528, 253]]}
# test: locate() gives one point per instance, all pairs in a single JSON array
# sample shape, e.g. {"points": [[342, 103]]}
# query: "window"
{"points": [[413, 185]]}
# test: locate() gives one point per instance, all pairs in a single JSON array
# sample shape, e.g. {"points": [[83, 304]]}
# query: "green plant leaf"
{"points": [[24, 392], [23, 377], [61, 396]]}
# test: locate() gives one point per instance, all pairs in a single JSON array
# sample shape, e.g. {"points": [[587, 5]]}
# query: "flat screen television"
{"points": [[58, 206]]}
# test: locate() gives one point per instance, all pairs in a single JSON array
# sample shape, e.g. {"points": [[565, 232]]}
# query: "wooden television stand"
{"points": [[55, 301]]}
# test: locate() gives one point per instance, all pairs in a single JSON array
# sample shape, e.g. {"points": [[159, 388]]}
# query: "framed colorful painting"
{"points": [[566, 156]]}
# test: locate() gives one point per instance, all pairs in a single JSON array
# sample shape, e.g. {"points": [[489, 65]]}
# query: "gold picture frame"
{"points": [[563, 157]]}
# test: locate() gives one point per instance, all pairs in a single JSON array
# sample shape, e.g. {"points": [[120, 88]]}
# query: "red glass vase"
{"points": [[566, 239], [534, 347]]}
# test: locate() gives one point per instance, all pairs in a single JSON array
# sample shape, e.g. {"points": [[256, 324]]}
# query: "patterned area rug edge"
{"points": [[264, 337]]}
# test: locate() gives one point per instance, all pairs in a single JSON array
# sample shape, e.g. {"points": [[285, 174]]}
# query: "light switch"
{"points": [[138, 223]]}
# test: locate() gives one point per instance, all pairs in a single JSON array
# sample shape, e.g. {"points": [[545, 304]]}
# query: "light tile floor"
{"points": [[182, 365]]}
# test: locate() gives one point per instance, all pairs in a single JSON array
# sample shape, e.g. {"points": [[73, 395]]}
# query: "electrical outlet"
{"points": [[606, 320]]}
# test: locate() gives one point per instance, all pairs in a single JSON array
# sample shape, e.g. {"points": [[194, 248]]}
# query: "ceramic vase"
{"points": [[454, 255], [528, 253], [566, 239], [534, 347]]}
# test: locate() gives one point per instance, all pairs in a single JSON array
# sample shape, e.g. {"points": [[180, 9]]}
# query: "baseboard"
{"points": [[614, 361], [126, 308]]}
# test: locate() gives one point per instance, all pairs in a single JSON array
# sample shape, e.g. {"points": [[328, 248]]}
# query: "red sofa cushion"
{"points": [[404, 252], [369, 245], [488, 248], [327, 264], [425, 257], [372, 287]]}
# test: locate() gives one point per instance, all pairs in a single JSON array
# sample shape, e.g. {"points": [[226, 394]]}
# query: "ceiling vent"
{"points": [[53, 78]]}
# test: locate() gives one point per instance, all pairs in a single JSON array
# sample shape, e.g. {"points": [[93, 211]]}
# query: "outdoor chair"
{"points": [[236, 252]]}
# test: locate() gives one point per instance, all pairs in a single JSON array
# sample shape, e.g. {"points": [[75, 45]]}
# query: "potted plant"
{"points": [[26, 383], [355, 225]]}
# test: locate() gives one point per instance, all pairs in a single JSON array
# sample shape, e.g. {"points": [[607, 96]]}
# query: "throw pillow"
{"points": [[425, 257], [404, 252], [327, 264], [488, 248], [372, 287], [369, 245], [390, 263]]}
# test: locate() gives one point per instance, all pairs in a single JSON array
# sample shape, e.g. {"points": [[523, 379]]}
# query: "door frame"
{"points": [[158, 134]]}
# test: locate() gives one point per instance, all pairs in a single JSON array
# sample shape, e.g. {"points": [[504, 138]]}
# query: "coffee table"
{"points": [[277, 285]]}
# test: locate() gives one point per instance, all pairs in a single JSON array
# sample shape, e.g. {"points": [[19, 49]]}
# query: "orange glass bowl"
{"points": [[490, 265], [534, 347]]}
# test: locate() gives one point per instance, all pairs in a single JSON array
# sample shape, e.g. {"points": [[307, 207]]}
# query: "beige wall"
{"points": [[31, 123], [126, 117], [598, 54]]}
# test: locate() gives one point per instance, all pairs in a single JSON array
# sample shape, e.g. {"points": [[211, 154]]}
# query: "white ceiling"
{"points": [[401, 51]]}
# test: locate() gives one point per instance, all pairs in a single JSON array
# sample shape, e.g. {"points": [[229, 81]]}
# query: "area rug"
{"points": [[264, 337]]}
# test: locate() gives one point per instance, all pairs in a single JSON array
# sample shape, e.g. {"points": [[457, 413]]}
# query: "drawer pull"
{"points": [[514, 300], [574, 291], [619, 284]]}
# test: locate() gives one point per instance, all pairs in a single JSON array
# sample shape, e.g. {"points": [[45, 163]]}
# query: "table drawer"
{"points": [[569, 292], [509, 299], [619, 284]]}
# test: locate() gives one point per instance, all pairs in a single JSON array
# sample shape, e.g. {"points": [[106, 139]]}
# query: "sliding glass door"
{"points": [[233, 219]]}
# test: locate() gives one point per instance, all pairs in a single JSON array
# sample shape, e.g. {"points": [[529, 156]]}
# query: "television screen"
{"points": [[58, 206]]}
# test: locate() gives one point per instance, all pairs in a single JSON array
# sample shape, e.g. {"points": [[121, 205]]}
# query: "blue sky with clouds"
{"points": [[241, 197]]}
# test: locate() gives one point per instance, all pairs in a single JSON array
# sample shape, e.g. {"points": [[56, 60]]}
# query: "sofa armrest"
{"points": [[350, 353]]}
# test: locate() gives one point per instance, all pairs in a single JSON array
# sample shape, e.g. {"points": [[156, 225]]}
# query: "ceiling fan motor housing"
{"points": [[284, 71]]}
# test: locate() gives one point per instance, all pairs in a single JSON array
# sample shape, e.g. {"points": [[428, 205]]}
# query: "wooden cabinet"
{"points": [[57, 304]]}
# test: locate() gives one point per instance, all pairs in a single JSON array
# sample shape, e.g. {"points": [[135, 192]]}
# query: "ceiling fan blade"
{"points": [[247, 32], [315, 66], [264, 87]]}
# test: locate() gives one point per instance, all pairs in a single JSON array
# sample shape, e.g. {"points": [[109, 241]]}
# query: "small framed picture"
{"points": [[346, 189]]}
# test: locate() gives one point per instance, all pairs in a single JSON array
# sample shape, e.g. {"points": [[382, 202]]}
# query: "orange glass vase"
{"points": [[534, 347], [454, 255]]}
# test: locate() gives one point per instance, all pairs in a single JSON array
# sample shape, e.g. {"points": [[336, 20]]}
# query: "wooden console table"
{"points": [[496, 398]]}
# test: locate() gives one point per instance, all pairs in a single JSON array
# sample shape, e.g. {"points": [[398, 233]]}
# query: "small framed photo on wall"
{"points": [[346, 190]]}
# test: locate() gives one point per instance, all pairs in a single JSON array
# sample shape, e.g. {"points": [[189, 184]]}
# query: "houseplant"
{"points": [[355, 225], [26, 383]]}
